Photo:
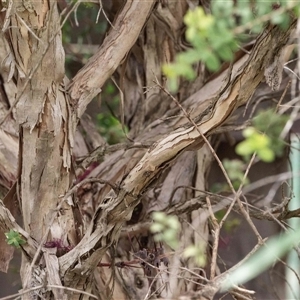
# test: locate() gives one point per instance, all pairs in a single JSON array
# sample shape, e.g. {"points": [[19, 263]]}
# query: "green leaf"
{"points": [[261, 260], [296, 10], [165, 228], [110, 89], [170, 238], [285, 23], [159, 216], [197, 19], [263, 8], [14, 238], [222, 9], [266, 154], [173, 223], [189, 57], [157, 227], [257, 28], [283, 20], [190, 251], [277, 18], [197, 253], [273, 128], [248, 132], [226, 53], [244, 148], [244, 11], [169, 71], [235, 170], [255, 142], [212, 62], [182, 69], [173, 85], [191, 33], [231, 224]]}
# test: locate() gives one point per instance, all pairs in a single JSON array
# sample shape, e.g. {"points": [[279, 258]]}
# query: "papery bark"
{"points": [[47, 111]]}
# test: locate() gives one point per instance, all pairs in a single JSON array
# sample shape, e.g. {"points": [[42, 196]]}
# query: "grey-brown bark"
{"points": [[47, 111]]}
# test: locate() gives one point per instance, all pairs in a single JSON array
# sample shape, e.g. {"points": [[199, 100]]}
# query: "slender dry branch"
{"points": [[267, 180], [52, 286], [217, 229]]}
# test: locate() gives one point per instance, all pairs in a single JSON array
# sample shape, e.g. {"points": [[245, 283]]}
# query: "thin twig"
{"points": [[282, 96], [28, 28], [71, 290], [104, 13], [48, 286], [217, 229], [264, 18], [121, 107], [23, 292], [267, 180], [240, 204], [7, 15]]}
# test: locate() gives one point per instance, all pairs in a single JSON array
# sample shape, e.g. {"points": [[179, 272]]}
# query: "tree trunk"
{"points": [[70, 228], [46, 132]]}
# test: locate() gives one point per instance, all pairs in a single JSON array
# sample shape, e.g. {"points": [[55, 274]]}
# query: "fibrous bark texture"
{"points": [[71, 225]]}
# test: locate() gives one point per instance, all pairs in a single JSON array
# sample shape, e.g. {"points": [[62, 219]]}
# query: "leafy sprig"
{"points": [[14, 238]]}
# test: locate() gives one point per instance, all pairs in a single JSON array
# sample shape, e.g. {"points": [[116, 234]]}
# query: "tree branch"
{"points": [[88, 81]]}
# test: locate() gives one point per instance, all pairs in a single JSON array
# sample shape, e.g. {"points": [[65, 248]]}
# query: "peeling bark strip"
{"points": [[89, 80]]}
